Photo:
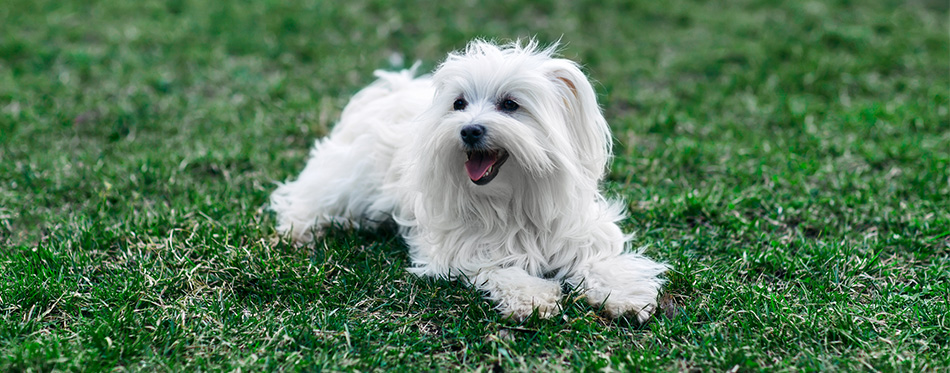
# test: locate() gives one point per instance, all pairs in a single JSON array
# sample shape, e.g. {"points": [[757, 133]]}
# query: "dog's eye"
{"points": [[508, 105], [459, 104]]}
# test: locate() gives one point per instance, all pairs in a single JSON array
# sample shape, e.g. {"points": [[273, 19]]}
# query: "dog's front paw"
{"points": [[616, 308], [633, 300], [626, 285], [517, 294], [521, 305]]}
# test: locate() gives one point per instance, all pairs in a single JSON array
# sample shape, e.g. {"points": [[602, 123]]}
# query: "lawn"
{"points": [[788, 159]]}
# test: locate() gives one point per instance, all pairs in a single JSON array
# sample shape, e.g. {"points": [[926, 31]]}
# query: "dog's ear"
{"points": [[589, 131]]}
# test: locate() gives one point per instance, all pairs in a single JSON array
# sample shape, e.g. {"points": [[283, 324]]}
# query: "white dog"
{"points": [[490, 167]]}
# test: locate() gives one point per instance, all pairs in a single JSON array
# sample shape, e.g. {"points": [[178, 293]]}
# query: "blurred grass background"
{"points": [[788, 158]]}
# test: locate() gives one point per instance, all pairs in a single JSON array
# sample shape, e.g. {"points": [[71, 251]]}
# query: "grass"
{"points": [[789, 159]]}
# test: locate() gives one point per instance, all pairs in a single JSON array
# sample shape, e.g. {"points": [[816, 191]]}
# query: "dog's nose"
{"points": [[472, 134]]}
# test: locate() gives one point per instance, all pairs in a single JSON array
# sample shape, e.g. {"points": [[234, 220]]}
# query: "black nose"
{"points": [[472, 134]]}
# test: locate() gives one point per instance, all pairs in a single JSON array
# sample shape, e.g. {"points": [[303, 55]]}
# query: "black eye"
{"points": [[508, 105], [459, 104]]}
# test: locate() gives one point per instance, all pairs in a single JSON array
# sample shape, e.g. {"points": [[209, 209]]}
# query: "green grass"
{"points": [[789, 159]]}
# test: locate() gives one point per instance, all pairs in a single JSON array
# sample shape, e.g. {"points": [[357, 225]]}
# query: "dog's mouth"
{"points": [[483, 165]]}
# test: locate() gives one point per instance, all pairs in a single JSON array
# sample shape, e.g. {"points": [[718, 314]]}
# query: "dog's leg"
{"points": [[339, 186], [517, 293], [627, 284]]}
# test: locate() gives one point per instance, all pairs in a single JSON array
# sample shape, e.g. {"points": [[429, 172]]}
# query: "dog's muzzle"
{"points": [[483, 163]]}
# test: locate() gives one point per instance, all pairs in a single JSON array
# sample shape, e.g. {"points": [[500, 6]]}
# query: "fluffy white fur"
{"points": [[399, 154]]}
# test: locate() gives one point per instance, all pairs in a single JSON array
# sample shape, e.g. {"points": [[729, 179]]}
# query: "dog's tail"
{"points": [[397, 79], [395, 97]]}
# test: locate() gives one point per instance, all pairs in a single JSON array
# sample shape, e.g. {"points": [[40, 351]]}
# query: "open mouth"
{"points": [[483, 165]]}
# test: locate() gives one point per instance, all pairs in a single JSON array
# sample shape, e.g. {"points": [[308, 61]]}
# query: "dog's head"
{"points": [[504, 110]]}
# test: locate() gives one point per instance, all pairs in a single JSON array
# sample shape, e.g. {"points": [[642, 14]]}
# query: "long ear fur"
{"points": [[590, 132]]}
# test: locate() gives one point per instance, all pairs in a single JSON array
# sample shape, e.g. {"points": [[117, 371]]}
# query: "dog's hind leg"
{"points": [[339, 186]]}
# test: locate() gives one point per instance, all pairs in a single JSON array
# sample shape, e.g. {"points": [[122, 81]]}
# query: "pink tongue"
{"points": [[478, 164]]}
